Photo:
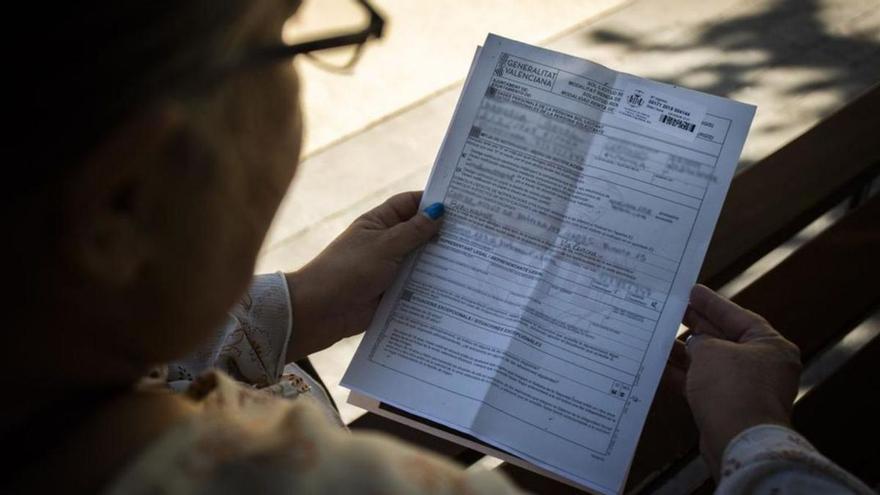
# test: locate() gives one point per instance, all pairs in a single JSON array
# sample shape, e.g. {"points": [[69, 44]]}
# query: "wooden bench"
{"points": [[814, 297]]}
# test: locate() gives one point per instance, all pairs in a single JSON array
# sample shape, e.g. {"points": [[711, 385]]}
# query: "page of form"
{"points": [[580, 202]]}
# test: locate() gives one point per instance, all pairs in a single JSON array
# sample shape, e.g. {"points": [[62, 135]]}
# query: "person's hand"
{"points": [[742, 372], [336, 294]]}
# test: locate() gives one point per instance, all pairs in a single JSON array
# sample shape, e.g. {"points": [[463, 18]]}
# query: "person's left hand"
{"points": [[335, 295]]}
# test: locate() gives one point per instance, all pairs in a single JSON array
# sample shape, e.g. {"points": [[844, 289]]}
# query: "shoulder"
{"points": [[245, 438], [237, 436]]}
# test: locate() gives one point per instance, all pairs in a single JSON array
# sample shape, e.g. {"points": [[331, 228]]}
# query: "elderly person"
{"points": [[143, 357]]}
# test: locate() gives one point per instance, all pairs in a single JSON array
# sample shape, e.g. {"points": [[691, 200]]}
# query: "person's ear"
{"points": [[114, 195]]}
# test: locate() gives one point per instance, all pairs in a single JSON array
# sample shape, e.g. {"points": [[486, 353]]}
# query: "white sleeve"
{"points": [[772, 459], [251, 345]]}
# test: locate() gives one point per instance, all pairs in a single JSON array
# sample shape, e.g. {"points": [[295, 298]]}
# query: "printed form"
{"points": [[580, 202]]}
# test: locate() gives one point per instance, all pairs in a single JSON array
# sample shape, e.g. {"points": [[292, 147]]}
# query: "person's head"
{"points": [[150, 177]]}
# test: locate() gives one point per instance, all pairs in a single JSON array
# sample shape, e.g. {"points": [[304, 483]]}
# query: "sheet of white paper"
{"points": [[580, 203]]}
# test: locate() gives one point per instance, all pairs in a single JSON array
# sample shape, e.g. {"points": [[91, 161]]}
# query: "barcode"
{"points": [[674, 122]]}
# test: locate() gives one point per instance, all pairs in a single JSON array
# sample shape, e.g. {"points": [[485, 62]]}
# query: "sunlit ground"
{"points": [[426, 47], [375, 131]]}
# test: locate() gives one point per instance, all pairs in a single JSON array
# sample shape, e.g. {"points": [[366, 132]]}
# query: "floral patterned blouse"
{"points": [[264, 426]]}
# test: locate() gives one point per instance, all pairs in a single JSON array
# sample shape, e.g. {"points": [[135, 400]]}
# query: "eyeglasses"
{"points": [[357, 39]]}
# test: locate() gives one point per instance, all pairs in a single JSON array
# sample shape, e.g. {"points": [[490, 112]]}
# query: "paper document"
{"points": [[580, 202]]}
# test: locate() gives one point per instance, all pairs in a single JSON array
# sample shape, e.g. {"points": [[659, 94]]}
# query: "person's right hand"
{"points": [[742, 372], [336, 294]]}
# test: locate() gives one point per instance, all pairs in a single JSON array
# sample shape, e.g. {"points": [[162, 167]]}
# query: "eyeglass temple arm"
{"points": [[373, 29]]}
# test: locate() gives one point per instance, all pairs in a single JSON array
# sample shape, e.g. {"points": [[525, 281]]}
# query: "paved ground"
{"points": [[427, 47], [376, 132]]}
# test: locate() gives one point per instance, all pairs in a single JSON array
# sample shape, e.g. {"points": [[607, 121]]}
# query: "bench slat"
{"points": [[847, 434], [827, 287], [771, 201]]}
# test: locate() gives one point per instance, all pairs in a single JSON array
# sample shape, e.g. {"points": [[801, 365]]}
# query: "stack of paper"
{"points": [[580, 202]]}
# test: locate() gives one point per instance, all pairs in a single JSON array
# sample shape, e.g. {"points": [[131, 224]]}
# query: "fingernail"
{"points": [[434, 211]]}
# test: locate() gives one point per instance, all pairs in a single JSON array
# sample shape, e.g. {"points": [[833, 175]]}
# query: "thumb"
{"points": [[408, 235], [698, 344]]}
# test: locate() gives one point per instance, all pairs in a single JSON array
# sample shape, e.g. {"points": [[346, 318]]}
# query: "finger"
{"points": [[408, 235], [698, 323], [727, 317], [396, 209], [697, 344]]}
